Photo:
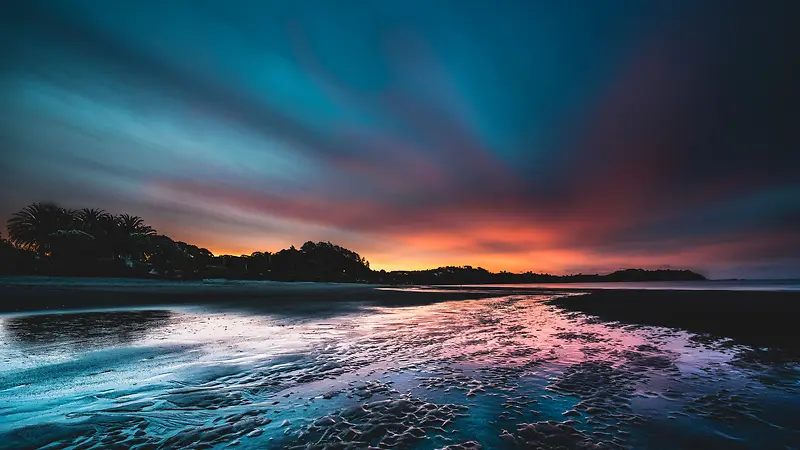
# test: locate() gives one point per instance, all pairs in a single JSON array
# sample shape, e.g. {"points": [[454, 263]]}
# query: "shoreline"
{"points": [[758, 318], [23, 297]]}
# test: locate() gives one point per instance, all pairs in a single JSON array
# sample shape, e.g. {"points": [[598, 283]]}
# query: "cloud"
{"points": [[594, 140]]}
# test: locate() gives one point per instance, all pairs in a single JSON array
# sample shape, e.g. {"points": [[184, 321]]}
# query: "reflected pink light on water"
{"points": [[303, 361]]}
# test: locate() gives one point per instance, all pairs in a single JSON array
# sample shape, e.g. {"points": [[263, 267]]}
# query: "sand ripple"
{"points": [[506, 372]]}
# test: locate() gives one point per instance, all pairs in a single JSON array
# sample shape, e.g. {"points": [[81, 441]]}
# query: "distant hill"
{"points": [[653, 275], [479, 275]]}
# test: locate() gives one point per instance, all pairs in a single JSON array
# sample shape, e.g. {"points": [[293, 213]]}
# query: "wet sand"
{"points": [[33, 294], [764, 319], [270, 365], [767, 319]]}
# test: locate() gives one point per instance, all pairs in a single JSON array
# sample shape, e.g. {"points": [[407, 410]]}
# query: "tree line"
{"points": [[47, 239]]}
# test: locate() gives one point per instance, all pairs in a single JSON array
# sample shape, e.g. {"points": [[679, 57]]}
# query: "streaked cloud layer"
{"points": [[546, 136]]}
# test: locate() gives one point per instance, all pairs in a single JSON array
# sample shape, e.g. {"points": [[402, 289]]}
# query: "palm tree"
{"points": [[100, 225], [134, 225], [93, 220], [130, 234], [37, 226]]}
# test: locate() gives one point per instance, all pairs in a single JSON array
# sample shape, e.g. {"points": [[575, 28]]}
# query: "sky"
{"points": [[561, 137]]}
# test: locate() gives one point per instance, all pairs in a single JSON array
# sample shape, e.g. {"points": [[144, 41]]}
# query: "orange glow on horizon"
{"points": [[495, 240], [555, 261], [496, 245]]}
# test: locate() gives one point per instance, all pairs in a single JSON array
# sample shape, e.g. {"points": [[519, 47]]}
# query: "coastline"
{"points": [[17, 295], [758, 318]]}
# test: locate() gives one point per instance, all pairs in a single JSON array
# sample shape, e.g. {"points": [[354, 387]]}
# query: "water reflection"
{"points": [[85, 329], [509, 372]]}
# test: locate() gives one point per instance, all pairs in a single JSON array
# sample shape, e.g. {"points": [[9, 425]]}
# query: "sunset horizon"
{"points": [[643, 137], [400, 224]]}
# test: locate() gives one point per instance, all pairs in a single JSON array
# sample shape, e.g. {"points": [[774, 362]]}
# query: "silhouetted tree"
{"points": [[129, 237], [93, 221], [163, 255], [324, 261], [36, 227], [235, 266], [286, 264], [193, 260], [46, 238], [72, 244], [260, 264], [14, 260], [101, 226]]}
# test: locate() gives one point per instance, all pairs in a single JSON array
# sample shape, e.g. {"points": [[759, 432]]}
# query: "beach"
{"points": [[142, 364], [766, 317], [53, 293]]}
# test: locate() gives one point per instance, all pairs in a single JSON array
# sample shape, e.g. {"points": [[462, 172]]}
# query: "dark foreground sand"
{"points": [[768, 319]]}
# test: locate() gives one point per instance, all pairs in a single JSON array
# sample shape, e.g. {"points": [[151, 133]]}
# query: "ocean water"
{"points": [[508, 372]]}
